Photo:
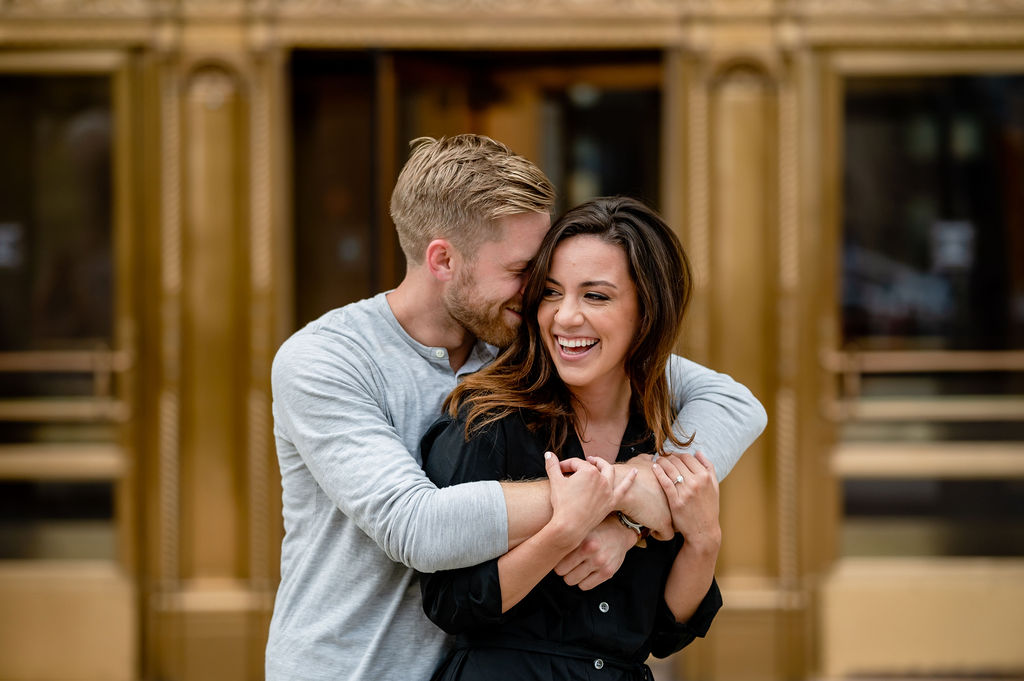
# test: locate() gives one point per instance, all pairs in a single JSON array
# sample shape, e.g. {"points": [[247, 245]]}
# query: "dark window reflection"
{"points": [[888, 432], [598, 133], [56, 294], [933, 242], [608, 142], [934, 517], [50, 520], [56, 275], [334, 168]]}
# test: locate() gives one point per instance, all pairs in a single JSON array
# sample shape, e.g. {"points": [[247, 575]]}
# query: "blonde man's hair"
{"points": [[458, 187]]}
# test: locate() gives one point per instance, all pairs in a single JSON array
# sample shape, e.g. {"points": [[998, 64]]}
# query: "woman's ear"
{"points": [[441, 258]]}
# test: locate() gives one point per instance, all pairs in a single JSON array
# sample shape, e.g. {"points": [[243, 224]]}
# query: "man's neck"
{"points": [[418, 306]]}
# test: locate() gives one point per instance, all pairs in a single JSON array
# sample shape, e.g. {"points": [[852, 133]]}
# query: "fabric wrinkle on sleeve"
{"points": [[670, 636], [327, 405], [462, 600], [722, 414]]}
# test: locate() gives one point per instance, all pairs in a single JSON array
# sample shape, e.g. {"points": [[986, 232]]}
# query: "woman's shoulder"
{"points": [[451, 454]]}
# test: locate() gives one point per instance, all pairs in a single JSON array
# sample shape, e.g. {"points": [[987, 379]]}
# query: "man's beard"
{"points": [[485, 321]]}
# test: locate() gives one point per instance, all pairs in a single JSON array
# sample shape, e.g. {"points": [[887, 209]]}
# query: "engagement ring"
{"points": [[679, 479]]}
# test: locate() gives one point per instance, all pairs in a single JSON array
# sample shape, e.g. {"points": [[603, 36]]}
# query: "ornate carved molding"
{"points": [[544, 7], [786, 410], [72, 8], [995, 31], [214, 8], [440, 34], [261, 193], [698, 246], [540, 23], [621, 9], [907, 8], [169, 416], [211, 85]]}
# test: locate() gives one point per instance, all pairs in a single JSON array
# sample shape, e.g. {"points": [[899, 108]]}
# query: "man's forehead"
{"points": [[514, 241], [508, 254]]}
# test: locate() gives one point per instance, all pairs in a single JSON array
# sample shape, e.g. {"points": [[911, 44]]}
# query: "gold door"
{"points": [[925, 350], [68, 592]]}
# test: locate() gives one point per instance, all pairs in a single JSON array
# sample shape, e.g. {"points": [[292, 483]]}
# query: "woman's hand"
{"points": [[691, 488], [580, 501], [584, 497]]}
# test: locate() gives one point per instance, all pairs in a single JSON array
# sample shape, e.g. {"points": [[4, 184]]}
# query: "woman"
{"points": [[586, 377]]}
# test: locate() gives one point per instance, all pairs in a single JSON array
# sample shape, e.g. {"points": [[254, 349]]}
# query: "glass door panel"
{"points": [[333, 118], [932, 287], [591, 121], [56, 259], [57, 306], [933, 240], [66, 498]]}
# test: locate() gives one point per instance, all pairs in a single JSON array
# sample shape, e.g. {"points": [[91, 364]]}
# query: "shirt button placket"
{"points": [[604, 608]]}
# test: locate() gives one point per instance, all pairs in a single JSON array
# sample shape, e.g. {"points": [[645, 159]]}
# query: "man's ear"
{"points": [[441, 259]]}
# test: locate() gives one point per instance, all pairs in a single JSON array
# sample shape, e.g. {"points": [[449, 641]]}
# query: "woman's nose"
{"points": [[568, 313]]}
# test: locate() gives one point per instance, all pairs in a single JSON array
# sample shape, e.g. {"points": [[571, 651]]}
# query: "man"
{"points": [[355, 390]]}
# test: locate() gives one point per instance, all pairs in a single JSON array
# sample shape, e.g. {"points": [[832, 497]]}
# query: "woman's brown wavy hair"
{"points": [[523, 377]]}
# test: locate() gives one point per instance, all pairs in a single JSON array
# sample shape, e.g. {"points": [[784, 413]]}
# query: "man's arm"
{"points": [[529, 509], [325, 405], [724, 415]]}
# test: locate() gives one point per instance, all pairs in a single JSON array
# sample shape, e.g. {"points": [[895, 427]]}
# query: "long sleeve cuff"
{"points": [[670, 636], [462, 600]]}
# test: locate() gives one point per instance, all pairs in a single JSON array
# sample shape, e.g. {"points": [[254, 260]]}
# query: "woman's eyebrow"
{"points": [[594, 282], [599, 282]]}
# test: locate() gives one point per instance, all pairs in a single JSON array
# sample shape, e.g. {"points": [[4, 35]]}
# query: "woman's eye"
{"points": [[550, 293], [596, 296]]}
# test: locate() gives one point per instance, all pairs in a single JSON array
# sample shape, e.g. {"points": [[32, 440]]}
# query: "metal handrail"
{"points": [[915, 361], [65, 361]]}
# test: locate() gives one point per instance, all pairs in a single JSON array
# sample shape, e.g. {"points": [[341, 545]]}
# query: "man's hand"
{"points": [[599, 556], [645, 501]]}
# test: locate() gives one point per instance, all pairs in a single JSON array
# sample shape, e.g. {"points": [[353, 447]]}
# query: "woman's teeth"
{"points": [[576, 345]]}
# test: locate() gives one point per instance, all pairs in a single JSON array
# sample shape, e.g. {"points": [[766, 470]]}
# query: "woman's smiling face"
{"points": [[589, 315]]}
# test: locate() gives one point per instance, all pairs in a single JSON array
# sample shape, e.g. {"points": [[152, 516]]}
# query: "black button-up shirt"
{"points": [[557, 631]]}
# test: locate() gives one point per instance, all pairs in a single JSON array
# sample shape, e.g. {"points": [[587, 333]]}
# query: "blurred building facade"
{"points": [[186, 183]]}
